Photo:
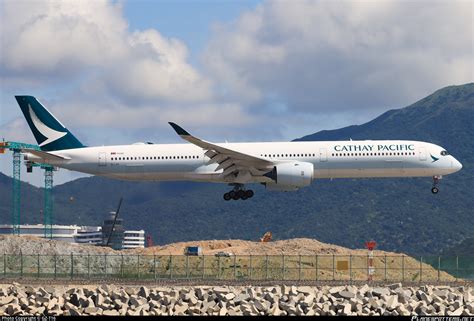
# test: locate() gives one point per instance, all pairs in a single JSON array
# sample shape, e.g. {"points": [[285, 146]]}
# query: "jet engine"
{"points": [[290, 176]]}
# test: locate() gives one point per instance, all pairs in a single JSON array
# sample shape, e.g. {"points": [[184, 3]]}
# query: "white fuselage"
{"points": [[331, 159]]}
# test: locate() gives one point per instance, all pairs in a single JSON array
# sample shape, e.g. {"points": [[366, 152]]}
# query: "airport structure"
{"points": [[133, 239], [79, 234]]}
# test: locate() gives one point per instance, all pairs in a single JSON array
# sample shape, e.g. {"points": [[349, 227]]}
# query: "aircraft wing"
{"points": [[230, 161]]}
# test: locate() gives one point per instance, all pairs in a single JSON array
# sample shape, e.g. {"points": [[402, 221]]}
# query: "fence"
{"points": [[250, 267]]}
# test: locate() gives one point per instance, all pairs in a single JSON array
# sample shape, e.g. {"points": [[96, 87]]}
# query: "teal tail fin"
{"points": [[50, 134]]}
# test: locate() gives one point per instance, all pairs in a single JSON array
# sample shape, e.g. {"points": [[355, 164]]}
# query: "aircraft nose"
{"points": [[456, 165]]}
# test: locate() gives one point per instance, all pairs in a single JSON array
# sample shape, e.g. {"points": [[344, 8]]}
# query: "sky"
{"points": [[115, 72]]}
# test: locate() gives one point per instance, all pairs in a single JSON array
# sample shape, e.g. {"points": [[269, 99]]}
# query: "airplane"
{"points": [[280, 166]]}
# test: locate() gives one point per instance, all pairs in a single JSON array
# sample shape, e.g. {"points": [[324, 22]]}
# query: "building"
{"points": [[133, 239], [113, 232], [65, 233], [89, 235], [78, 234]]}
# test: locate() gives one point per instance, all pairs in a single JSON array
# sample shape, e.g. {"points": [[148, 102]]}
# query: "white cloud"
{"points": [[280, 71], [61, 36], [89, 41], [332, 56], [156, 68], [17, 131]]}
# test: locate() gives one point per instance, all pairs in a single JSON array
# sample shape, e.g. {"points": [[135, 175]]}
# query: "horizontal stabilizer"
{"points": [[45, 156]]}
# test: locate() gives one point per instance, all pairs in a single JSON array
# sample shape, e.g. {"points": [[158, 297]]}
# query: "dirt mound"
{"points": [[328, 255], [299, 246], [29, 245], [398, 266]]}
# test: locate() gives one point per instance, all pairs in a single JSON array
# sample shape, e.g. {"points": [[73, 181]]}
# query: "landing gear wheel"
{"points": [[241, 193], [436, 180]]}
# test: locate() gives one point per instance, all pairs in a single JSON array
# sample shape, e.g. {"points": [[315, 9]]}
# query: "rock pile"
{"points": [[112, 300]]}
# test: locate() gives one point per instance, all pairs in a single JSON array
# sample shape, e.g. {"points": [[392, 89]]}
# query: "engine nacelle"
{"points": [[290, 176]]}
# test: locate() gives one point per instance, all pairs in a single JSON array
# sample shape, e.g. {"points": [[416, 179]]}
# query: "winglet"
{"points": [[180, 131]]}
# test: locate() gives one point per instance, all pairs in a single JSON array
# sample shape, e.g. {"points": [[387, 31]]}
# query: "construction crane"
{"points": [[112, 230], [16, 148]]}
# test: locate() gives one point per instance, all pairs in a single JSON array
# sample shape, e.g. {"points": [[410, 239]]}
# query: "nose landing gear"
{"points": [[436, 180], [238, 193]]}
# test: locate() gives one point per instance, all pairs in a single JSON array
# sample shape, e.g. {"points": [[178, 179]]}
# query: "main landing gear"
{"points": [[238, 193], [436, 180]]}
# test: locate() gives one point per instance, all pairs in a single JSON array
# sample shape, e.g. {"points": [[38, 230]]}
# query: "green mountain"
{"points": [[400, 214], [463, 248]]}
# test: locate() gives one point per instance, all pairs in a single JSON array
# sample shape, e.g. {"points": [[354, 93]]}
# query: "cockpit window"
{"points": [[444, 153]]}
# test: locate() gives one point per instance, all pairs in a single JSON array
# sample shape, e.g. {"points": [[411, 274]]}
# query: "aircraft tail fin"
{"points": [[50, 134]]}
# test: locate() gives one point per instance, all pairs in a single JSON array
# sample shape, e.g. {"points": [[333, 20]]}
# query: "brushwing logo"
{"points": [[434, 158], [50, 134]]}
